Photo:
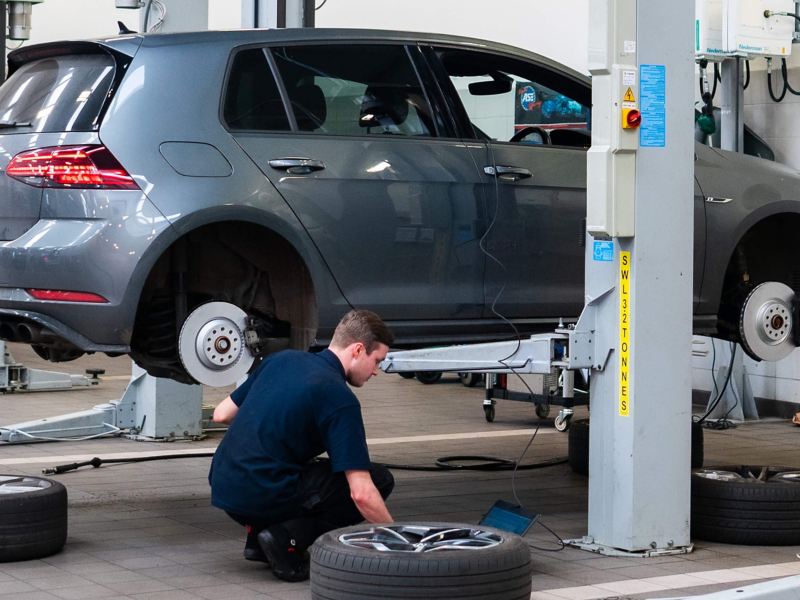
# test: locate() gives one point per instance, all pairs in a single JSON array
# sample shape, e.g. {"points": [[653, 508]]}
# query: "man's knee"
{"points": [[382, 478]]}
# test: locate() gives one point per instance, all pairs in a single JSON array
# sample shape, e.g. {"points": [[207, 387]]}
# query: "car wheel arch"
{"points": [[761, 250], [287, 280]]}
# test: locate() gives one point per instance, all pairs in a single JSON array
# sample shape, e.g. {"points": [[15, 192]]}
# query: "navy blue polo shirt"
{"points": [[295, 406]]}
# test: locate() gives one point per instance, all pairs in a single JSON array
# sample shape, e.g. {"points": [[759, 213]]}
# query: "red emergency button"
{"points": [[631, 118]]}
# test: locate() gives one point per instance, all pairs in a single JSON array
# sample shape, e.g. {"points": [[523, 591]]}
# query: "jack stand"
{"points": [[151, 409], [15, 377]]}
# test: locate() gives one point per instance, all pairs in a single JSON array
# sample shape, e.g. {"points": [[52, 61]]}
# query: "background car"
{"points": [[198, 199]]}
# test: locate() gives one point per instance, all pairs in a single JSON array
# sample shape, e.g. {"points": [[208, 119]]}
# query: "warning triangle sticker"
{"points": [[629, 97]]}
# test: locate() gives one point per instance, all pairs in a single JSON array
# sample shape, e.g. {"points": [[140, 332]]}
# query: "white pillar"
{"points": [[640, 205]]}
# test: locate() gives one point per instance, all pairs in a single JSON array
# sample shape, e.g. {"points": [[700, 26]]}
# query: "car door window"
{"points": [[508, 100], [252, 99], [354, 90]]}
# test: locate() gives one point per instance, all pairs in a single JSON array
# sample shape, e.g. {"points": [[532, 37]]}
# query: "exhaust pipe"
{"points": [[7, 332]]}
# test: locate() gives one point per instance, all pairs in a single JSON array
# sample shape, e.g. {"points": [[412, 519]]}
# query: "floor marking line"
{"points": [[63, 459], [670, 582]]}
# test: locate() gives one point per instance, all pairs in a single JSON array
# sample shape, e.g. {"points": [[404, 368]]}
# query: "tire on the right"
{"points": [[343, 572], [746, 511]]}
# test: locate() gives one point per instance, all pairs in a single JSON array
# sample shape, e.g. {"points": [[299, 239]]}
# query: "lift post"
{"points": [[635, 332], [640, 213]]}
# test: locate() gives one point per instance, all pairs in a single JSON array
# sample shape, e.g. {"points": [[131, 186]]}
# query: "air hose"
{"points": [[445, 463]]}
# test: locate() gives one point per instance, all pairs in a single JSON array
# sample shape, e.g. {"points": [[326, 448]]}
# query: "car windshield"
{"points": [[60, 93]]}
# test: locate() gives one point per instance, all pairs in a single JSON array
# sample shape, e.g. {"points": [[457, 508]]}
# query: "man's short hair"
{"points": [[362, 326]]}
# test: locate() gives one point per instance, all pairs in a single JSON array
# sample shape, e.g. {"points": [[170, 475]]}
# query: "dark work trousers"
{"points": [[324, 504]]}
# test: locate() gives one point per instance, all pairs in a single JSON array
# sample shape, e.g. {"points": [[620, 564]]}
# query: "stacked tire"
{"points": [[748, 505], [33, 517]]}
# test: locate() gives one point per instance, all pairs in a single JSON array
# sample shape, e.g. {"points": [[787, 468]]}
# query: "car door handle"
{"points": [[508, 173], [297, 166]]}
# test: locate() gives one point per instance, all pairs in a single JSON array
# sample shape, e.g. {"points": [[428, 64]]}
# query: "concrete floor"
{"points": [[147, 530]]}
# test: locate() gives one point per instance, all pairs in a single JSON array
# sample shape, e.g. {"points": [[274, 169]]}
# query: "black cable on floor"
{"points": [[555, 535], [445, 463], [716, 401], [483, 463]]}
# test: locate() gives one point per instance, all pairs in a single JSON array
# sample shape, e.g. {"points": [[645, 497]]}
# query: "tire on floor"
{"points": [[748, 505], [428, 377], [578, 448], [346, 564], [33, 517]]}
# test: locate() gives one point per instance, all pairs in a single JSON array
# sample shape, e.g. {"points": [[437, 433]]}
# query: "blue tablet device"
{"points": [[509, 517]]}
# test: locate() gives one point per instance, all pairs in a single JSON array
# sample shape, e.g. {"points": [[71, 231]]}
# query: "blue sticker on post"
{"points": [[653, 98], [603, 251]]}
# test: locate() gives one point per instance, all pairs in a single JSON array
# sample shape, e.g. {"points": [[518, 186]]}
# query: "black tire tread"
{"points": [[340, 572], [33, 524], [578, 452], [746, 512], [578, 446]]}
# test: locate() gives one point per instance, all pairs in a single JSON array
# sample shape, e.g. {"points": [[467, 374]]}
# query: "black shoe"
{"points": [[288, 561], [252, 551]]}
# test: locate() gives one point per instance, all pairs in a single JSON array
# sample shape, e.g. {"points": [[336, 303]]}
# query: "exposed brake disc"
{"points": [[765, 323], [212, 344]]}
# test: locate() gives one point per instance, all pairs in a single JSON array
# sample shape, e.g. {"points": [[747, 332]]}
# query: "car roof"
{"points": [[295, 34], [234, 38], [129, 43]]}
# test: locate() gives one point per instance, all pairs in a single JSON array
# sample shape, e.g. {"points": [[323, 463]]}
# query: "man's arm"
{"points": [[225, 411], [367, 498]]}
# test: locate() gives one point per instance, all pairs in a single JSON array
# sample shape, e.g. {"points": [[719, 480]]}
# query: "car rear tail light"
{"points": [[92, 167], [66, 296]]}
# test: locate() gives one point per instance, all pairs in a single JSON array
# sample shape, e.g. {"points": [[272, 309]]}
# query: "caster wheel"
{"points": [[488, 412], [542, 410], [407, 375], [428, 377], [470, 379], [562, 422]]}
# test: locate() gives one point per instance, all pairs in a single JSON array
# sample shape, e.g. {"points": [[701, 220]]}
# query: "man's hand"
{"points": [[225, 411], [367, 498]]}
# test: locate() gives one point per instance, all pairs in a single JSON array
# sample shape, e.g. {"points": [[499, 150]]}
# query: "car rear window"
{"points": [[252, 99], [59, 93]]}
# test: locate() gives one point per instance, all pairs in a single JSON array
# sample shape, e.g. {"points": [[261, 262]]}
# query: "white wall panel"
{"points": [[555, 29]]}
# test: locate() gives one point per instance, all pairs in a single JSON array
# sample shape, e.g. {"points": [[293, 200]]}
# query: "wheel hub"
{"points": [[421, 538], [765, 324], [211, 344], [219, 343], [11, 484]]}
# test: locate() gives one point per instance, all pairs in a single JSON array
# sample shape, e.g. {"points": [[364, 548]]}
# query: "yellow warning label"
{"points": [[629, 97], [624, 332]]}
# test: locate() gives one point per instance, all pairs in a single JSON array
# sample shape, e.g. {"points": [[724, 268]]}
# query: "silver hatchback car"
{"points": [[197, 200]]}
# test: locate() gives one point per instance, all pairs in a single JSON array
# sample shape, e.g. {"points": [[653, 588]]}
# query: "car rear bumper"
{"points": [[105, 247], [35, 328]]}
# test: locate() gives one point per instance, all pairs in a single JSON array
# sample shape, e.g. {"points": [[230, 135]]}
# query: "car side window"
{"points": [[252, 98], [509, 100], [354, 90]]}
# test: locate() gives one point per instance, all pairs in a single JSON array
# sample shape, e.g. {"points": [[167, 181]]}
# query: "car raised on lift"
{"points": [[197, 199]]}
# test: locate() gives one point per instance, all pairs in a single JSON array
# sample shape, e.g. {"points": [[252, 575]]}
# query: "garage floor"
{"points": [[147, 531]]}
